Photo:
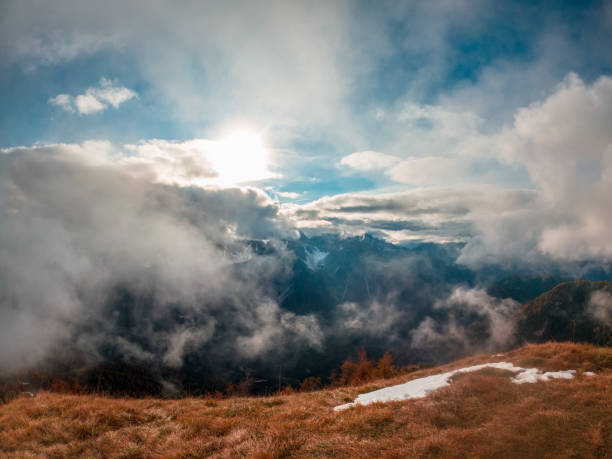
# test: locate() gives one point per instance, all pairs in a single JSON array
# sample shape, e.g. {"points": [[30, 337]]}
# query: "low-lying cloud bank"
{"points": [[88, 249]]}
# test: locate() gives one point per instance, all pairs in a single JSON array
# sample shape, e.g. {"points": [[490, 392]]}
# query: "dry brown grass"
{"points": [[480, 415]]}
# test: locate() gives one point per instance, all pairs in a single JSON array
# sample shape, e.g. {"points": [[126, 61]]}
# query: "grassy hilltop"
{"points": [[481, 414]]}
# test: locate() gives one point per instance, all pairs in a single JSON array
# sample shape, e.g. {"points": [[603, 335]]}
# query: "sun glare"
{"points": [[241, 156]]}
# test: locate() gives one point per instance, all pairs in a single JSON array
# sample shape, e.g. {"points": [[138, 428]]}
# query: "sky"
{"points": [[351, 116], [143, 142]]}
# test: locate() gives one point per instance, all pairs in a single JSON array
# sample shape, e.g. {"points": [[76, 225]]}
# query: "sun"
{"points": [[241, 156]]}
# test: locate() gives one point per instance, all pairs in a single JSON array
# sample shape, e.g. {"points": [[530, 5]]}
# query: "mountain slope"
{"points": [[572, 311], [481, 414]]}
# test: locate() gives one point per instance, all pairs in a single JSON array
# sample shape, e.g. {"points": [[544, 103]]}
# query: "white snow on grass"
{"points": [[532, 375], [419, 388]]}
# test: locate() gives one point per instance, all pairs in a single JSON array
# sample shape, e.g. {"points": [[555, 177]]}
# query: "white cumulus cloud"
{"points": [[94, 99]]}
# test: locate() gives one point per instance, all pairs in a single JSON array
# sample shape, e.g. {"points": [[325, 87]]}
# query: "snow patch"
{"points": [[419, 388], [314, 258], [533, 375]]}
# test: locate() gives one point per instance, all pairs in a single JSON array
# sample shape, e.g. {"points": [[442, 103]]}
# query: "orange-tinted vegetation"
{"points": [[481, 414], [364, 370]]}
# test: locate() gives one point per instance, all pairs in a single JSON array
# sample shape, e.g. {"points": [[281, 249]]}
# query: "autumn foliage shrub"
{"points": [[62, 386], [310, 384], [9, 390], [240, 389], [365, 370]]}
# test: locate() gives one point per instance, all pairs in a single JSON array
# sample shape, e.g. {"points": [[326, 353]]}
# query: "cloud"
{"points": [[88, 247], [427, 72], [64, 101], [288, 194], [600, 306], [274, 329], [432, 214], [200, 162], [429, 170], [435, 145], [369, 160], [54, 47], [565, 143], [430, 333], [192, 67], [315, 257], [375, 318], [90, 152], [181, 163], [182, 340], [95, 99], [499, 312], [457, 330], [196, 162], [88, 103], [452, 123]]}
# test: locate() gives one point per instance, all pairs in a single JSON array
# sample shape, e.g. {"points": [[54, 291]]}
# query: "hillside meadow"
{"points": [[481, 414]]}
